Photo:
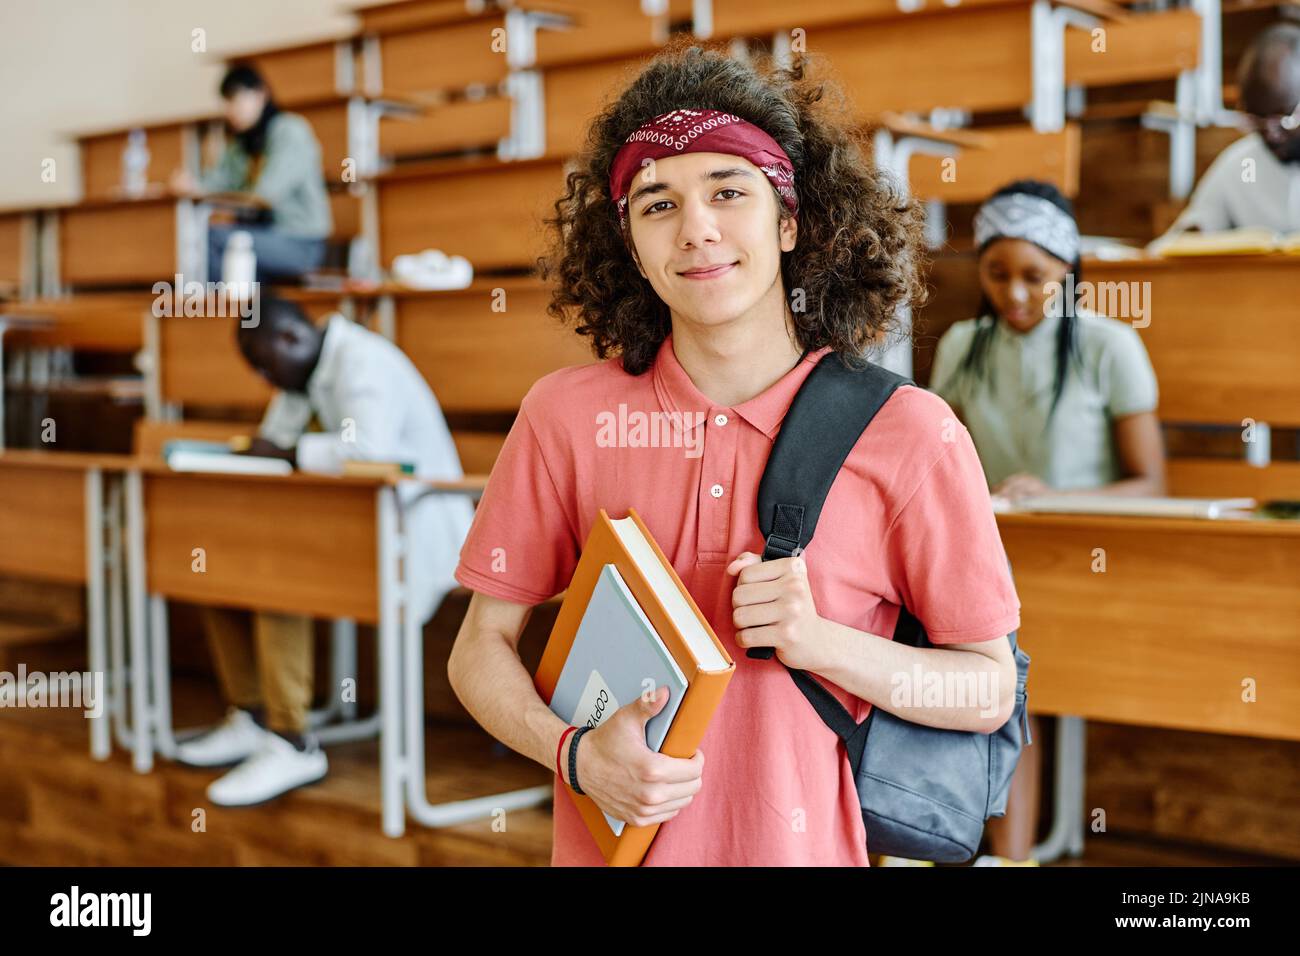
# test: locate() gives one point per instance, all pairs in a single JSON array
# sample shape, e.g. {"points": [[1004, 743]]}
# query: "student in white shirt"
{"points": [[1255, 182], [372, 404]]}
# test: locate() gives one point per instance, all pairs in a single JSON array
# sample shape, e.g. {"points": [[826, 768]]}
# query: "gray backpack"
{"points": [[925, 792]]}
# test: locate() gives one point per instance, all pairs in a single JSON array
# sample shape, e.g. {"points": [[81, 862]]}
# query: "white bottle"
{"points": [[135, 164], [239, 265]]}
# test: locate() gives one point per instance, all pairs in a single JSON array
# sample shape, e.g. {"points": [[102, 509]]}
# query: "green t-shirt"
{"points": [[291, 179], [1006, 411]]}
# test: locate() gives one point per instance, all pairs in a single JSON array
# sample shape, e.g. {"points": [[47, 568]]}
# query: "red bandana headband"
{"points": [[700, 131]]}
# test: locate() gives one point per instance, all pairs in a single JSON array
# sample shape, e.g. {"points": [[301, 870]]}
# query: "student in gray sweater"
{"points": [[274, 155]]}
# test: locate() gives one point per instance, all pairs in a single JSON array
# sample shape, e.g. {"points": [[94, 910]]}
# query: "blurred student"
{"points": [[1056, 398], [274, 155], [1255, 182], [372, 404]]}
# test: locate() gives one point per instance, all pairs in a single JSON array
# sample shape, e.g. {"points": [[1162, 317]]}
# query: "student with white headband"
{"points": [[1056, 397]]}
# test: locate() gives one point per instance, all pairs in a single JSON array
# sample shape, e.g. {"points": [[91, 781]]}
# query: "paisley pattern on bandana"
{"points": [[700, 131]]}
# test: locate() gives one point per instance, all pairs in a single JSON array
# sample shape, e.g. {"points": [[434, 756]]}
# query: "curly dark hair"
{"points": [[859, 252]]}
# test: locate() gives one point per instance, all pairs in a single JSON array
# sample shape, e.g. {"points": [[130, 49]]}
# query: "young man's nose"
{"points": [[698, 224]]}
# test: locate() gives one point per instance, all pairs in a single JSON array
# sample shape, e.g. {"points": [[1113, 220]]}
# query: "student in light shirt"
{"points": [[1255, 182], [372, 404], [1057, 398], [725, 231]]}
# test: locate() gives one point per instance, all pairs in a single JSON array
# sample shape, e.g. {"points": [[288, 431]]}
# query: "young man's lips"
{"points": [[710, 273]]}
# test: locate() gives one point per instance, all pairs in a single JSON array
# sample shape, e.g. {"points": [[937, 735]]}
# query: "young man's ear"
{"points": [[789, 232]]}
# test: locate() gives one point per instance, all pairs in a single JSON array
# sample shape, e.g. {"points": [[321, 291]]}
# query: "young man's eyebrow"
{"points": [[713, 175]]}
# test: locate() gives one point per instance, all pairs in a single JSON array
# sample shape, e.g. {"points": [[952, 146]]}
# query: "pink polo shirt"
{"points": [[907, 521]]}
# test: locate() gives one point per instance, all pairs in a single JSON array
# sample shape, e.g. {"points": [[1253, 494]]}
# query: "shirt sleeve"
{"points": [[286, 418], [221, 177], [1207, 210], [292, 157], [1129, 381], [368, 404], [523, 545], [946, 555]]}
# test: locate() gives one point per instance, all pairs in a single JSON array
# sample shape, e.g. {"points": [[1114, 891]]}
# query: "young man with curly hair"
{"points": [[723, 231]]}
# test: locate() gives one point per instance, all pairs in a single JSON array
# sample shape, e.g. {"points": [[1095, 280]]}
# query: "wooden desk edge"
{"points": [[1228, 526], [36, 458]]}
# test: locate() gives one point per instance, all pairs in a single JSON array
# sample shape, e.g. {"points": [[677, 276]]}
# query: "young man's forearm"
{"points": [[865, 665], [495, 687]]}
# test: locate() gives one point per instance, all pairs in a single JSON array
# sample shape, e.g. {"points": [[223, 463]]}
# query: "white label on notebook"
{"points": [[596, 703]]}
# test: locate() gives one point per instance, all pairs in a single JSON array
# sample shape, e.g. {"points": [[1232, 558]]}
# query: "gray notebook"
{"points": [[615, 651]]}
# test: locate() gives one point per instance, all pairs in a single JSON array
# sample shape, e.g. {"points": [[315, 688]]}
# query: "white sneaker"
{"points": [[275, 768], [231, 741]]}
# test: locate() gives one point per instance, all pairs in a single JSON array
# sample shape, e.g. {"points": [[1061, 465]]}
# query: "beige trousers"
{"points": [[264, 664]]}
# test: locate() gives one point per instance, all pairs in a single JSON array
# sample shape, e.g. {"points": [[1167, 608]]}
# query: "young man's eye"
{"points": [[728, 189], [651, 208]]}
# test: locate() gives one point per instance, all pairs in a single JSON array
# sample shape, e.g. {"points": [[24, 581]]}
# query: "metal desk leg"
{"points": [[117, 597], [1066, 835], [454, 811], [343, 663], [160, 659], [96, 649], [142, 737], [391, 599]]}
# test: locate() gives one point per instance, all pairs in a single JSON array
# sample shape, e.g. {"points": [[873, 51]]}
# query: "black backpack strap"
{"points": [[833, 407]]}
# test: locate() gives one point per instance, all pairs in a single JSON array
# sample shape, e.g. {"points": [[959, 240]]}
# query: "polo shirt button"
{"points": [[716, 491], [720, 419]]}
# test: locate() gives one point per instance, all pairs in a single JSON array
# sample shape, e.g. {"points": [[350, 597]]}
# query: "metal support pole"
{"points": [[142, 737], [96, 636]]}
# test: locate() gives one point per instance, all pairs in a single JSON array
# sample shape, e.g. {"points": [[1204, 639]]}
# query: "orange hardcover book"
{"points": [[626, 544]]}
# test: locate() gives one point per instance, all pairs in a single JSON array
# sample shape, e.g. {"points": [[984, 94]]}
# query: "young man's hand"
{"points": [[627, 779], [772, 606]]}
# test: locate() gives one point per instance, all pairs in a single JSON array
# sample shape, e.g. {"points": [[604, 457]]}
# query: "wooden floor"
{"points": [[60, 807]]}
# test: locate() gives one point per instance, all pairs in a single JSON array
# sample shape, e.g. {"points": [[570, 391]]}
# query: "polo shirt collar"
{"points": [[677, 392]]}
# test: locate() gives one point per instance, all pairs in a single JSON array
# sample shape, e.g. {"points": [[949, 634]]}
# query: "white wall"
{"points": [[69, 66]]}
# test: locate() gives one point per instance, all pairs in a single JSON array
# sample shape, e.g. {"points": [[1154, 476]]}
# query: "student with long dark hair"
{"points": [[274, 155], [724, 231], [1056, 397]]}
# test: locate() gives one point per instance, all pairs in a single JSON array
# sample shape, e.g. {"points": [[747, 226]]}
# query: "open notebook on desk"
{"points": [[220, 458], [1228, 242]]}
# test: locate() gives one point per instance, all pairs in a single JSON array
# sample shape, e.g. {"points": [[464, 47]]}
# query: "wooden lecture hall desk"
{"points": [[1186, 617], [57, 525], [326, 547]]}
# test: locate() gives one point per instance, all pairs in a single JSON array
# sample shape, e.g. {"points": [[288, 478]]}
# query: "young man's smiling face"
{"points": [[705, 230]]}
